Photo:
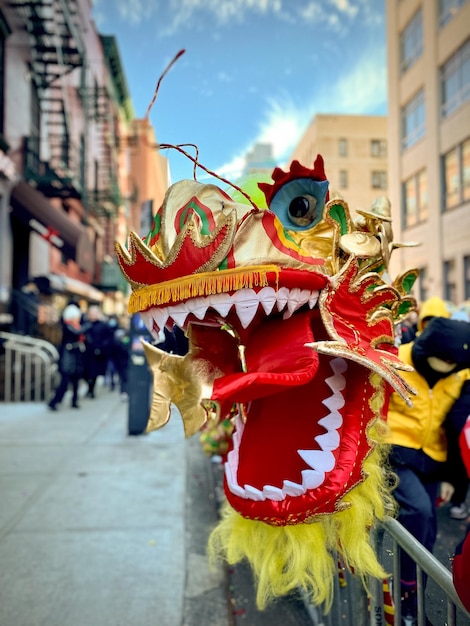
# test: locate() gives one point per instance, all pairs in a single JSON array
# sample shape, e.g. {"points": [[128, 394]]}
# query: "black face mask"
{"points": [[448, 340]]}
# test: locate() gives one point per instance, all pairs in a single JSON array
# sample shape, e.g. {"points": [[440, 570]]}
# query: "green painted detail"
{"points": [[288, 236], [338, 213], [408, 281], [404, 308], [193, 207], [155, 230]]}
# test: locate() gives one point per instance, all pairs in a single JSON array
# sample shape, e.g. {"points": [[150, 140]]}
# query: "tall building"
{"points": [[70, 180], [354, 149], [429, 141], [260, 159]]}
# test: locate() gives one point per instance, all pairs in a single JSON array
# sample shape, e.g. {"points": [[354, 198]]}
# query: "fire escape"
{"points": [[103, 196], [52, 162], [58, 167]]}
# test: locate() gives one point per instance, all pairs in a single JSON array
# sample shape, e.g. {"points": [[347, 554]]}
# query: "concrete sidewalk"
{"points": [[93, 522]]}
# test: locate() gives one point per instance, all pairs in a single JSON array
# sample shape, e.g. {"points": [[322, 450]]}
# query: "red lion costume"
{"points": [[290, 315]]}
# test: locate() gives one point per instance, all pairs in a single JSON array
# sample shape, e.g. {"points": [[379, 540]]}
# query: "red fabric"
{"points": [[461, 570], [464, 441]]}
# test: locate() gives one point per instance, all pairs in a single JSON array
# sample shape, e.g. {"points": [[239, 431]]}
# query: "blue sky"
{"points": [[253, 70]]}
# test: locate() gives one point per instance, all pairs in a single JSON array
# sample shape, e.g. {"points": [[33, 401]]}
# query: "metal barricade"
{"points": [[380, 605], [29, 368]]}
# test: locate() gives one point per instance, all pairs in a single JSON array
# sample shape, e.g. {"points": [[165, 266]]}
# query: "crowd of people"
{"points": [[427, 448], [91, 346]]}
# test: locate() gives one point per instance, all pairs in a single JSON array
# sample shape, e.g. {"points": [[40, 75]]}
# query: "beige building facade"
{"points": [[354, 149], [429, 141]]}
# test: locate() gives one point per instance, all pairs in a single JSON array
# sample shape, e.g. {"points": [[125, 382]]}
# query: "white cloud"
{"points": [[346, 7], [135, 11], [182, 13], [359, 91]]}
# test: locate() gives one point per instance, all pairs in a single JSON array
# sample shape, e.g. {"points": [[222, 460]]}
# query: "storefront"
{"points": [[35, 211], [40, 229], [55, 291]]}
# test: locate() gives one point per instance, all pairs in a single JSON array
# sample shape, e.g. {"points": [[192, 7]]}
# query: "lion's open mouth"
{"points": [[317, 461], [301, 414]]}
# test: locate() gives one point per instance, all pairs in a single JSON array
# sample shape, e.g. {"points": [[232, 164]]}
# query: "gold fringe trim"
{"points": [[203, 284]]}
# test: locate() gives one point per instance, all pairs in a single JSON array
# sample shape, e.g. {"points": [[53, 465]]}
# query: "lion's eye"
{"points": [[302, 210]]}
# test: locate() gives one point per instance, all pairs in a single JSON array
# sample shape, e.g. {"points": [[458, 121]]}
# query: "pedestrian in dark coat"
{"points": [[71, 356], [98, 340], [121, 354]]}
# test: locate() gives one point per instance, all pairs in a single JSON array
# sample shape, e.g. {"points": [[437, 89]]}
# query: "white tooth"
{"points": [[328, 441], [292, 489], [267, 297], [221, 302], [232, 461], [339, 365], [313, 299], [282, 297], [312, 479], [237, 490], [246, 312], [333, 421], [273, 493], [244, 295], [147, 319], [179, 316], [318, 459], [336, 383], [236, 440], [253, 493], [199, 307], [304, 296], [232, 484], [333, 403], [160, 317], [239, 424], [228, 473], [294, 300]]}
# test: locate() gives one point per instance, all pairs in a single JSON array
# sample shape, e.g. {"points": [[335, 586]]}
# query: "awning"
{"points": [[33, 208], [63, 284]]}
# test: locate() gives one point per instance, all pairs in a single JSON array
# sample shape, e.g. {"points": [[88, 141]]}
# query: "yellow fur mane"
{"points": [[284, 558]]}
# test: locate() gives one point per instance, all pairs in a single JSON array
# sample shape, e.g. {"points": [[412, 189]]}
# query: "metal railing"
{"points": [[29, 368], [353, 607]]}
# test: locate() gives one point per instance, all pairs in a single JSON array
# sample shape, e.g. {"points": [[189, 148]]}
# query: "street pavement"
{"points": [[92, 521], [99, 527]]}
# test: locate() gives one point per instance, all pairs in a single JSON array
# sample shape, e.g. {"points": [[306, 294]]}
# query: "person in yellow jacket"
{"points": [[439, 354], [433, 307]]}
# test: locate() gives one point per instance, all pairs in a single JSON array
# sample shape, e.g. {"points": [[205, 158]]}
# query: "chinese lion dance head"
{"points": [[289, 311]]}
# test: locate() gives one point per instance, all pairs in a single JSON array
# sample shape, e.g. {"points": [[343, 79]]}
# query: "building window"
{"points": [[413, 121], [378, 148], [449, 281], [455, 81], [466, 278], [411, 42], [343, 147], [423, 294], [456, 175], [415, 199], [343, 179], [465, 152], [447, 9], [379, 180]]}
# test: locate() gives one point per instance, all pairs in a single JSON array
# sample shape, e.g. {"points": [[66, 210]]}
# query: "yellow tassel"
{"points": [[203, 284]]}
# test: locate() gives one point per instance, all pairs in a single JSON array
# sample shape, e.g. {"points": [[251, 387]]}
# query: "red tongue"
{"points": [[276, 359]]}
